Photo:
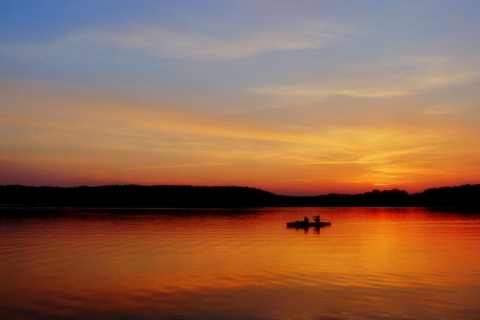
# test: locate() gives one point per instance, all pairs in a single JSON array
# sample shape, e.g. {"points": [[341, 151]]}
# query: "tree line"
{"points": [[165, 196]]}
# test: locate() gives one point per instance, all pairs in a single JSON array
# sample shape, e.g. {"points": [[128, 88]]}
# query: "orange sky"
{"points": [[309, 99]]}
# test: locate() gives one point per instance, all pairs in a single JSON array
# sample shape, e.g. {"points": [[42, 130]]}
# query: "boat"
{"points": [[303, 224]]}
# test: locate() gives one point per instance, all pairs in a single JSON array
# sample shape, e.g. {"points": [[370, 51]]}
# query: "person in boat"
{"points": [[316, 219], [305, 220]]}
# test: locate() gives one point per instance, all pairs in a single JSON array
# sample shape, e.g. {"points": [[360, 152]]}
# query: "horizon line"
{"points": [[226, 186]]}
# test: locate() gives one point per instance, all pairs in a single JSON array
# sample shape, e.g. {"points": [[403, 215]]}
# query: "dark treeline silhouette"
{"points": [[466, 196], [136, 196]]}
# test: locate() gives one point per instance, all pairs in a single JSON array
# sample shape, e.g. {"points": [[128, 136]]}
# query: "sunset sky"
{"points": [[293, 97]]}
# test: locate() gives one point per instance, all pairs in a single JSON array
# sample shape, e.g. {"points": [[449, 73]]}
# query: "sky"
{"points": [[292, 97]]}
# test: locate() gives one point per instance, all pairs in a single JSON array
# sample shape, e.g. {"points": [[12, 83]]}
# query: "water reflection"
{"points": [[372, 263], [307, 229]]}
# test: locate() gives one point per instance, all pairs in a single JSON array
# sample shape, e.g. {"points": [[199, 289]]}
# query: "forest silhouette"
{"points": [[167, 196]]}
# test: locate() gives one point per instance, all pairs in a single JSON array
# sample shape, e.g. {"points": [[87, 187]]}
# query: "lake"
{"points": [[372, 263]]}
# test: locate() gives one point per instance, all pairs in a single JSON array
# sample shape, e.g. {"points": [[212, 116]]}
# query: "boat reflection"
{"points": [[306, 229]]}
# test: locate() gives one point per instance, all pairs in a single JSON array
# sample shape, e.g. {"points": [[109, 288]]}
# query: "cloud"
{"points": [[393, 78], [92, 132], [155, 41], [71, 121], [438, 110], [61, 109], [159, 42], [316, 91]]}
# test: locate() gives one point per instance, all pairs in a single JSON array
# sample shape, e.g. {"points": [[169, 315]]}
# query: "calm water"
{"points": [[219, 264]]}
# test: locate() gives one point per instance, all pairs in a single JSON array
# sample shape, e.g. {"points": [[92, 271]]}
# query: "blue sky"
{"points": [[296, 97]]}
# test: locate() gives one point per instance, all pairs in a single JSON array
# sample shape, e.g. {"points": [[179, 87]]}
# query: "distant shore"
{"points": [[167, 196]]}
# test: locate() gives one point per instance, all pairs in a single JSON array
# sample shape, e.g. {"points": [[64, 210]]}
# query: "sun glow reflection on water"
{"points": [[371, 263]]}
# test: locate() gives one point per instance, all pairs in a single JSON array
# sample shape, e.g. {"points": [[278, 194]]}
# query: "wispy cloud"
{"points": [[75, 113], [438, 110], [127, 140], [170, 166], [394, 78], [159, 42], [316, 91], [155, 41]]}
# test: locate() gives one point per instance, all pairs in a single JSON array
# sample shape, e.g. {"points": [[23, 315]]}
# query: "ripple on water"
{"points": [[367, 265]]}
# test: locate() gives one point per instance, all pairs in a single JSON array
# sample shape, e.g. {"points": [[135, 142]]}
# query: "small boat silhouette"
{"points": [[302, 224]]}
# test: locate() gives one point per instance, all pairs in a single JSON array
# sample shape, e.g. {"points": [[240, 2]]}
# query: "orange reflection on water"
{"points": [[377, 259]]}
